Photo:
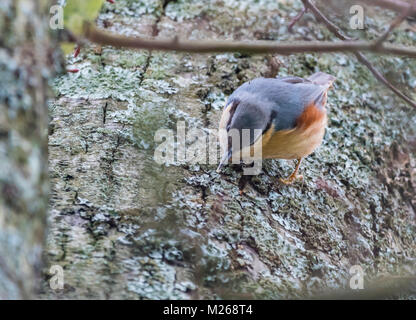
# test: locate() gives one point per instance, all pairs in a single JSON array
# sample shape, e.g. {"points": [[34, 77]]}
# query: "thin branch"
{"points": [[396, 22], [379, 76], [347, 45], [297, 18], [321, 17], [395, 5], [339, 34], [256, 47]]}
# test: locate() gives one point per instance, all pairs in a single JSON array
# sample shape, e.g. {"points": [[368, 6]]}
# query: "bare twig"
{"points": [[339, 34], [256, 47], [396, 22], [297, 18], [347, 45], [395, 5], [379, 76]]}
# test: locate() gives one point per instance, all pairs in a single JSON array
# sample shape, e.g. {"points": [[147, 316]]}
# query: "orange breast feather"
{"points": [[300, 141]]}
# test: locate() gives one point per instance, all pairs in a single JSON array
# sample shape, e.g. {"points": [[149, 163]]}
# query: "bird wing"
{"points": [[288, 96]]}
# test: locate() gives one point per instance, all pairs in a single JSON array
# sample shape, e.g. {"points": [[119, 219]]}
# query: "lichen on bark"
{"points": [[123, 226]]}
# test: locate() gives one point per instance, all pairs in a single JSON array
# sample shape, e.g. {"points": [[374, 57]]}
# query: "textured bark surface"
{"points": [[123, 226], [25, 67]]}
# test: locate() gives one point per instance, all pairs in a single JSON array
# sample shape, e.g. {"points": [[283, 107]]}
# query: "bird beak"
{"points": [[225, 158]]}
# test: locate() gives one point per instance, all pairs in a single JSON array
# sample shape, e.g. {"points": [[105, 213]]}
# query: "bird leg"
{"points": [[294, 176]]}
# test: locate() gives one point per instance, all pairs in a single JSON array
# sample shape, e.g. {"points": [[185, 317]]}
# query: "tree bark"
{"points": [[124, 227], [26, 64]]}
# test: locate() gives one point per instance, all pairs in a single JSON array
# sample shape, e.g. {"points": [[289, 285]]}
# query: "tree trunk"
{"points": [[123, 226], [25, 67]]}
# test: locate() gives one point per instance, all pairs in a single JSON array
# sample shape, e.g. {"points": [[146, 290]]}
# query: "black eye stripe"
{"points": [[273, 115], [233, 108]]}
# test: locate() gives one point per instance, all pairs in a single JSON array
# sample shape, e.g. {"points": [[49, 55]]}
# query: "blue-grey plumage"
{"points": [[278, 103], [286, 96]]}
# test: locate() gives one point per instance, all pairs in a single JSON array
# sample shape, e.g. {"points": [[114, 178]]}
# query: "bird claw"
{"points": [[291, 179], [77, 51]]}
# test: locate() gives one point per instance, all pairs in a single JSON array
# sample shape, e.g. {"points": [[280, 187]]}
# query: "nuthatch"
{"points": [[289, 111]]}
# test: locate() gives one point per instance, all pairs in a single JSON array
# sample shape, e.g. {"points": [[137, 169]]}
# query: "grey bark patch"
{"points": [[185, 231]]}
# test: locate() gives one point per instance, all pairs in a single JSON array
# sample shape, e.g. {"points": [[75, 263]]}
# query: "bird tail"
{"points": [[322, 79]]}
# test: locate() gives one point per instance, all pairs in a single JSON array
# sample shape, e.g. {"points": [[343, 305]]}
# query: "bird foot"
{"points": [[291, 179]]}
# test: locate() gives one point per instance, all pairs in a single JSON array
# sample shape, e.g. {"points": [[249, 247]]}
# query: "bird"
{"points": [[287, 116]]}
